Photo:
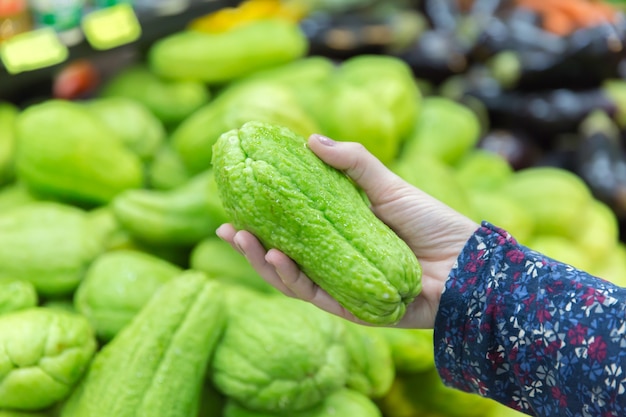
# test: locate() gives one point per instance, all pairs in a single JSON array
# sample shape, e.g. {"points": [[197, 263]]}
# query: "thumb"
{"points": [[358, 163]]}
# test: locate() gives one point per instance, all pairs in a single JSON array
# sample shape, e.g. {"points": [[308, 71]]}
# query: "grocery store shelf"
{"points": [[12, 87]]}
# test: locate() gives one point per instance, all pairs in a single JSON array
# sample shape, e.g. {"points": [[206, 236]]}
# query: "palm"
{"points": [[434, 232]]}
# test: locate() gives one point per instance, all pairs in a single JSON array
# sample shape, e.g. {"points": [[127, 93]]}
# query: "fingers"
{"points": [[274, 266], [280, 271], [249, 246], [302, 287], [358, 163], [294, 280]]}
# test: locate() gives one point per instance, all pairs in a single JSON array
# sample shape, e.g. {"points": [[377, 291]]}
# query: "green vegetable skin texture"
{"points": [[274, 186], [9, 413], [156, 366], [66, 153], [15, 195], [411, 349], [341, 403], [43, 354], [140, 130], [48, 244], [169, 100], [423, 393], [17, 295], [181, 216], [220, 261], [8, 117], [222, 57], [194, 138], [445, 129], [278, 354], [167, 170], [117, 285], [371, 369]]}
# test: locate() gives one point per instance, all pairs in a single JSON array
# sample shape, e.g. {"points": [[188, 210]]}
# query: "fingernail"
{"points": [[326, 141]]}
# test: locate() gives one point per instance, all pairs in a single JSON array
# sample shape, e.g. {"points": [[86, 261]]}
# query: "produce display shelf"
{"points": [[153, 27]]}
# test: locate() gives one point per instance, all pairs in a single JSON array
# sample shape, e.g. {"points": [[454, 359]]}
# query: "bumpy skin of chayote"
{"points": [[216, 258], [411, 349], [193, 140], [343, 402], [273, 185], [47, 243], [156, 365], [181, 216], [279, 354], [169, 100], [16, 295], [140, 130], [217, 58], [43, 353], [117, 286], [371, 369], [67, 153]]}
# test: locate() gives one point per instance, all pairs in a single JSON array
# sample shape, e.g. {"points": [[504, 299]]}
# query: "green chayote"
{"points": [[140, 130], [48, 244], [17, 295], [14, 195], [65, 152], [279, 355], [43, 354], [273, 185], [341, 403], [157, 364], [167, 170], [216, 58], [195, 137], [444, 129], [180, 216], [117, 286], [411, 349], [424, 393], [170, 101], [371, 370], [220, 261]]}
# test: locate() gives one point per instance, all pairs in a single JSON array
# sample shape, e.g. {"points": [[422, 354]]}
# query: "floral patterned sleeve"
{"points": [[532, 333]]}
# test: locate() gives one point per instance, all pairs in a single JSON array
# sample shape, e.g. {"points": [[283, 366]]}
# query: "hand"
{"points": [[435, 232]]}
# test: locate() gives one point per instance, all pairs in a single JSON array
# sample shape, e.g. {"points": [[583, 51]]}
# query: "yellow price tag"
{"points": [[111, 27], [32, 50]]}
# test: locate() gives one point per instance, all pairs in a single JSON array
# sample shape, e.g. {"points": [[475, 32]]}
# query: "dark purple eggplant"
{"points": [[442, 15], [601, 161], [545, 114], [581, 60], [435, 55], [513, 145], [448, 15], [444, 49], [338, 36], [377, 29]]}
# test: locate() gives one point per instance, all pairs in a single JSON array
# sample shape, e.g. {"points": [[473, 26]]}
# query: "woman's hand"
{"points": [[435, 232]]}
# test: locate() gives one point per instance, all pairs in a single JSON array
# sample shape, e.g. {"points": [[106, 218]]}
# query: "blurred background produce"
{"points": [[510, 111]]}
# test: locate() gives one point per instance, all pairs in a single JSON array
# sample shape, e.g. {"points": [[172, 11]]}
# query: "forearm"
{"points": [[532, 333]]}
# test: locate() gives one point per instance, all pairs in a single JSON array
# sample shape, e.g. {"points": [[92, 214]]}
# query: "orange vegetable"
{"points": [[562, 17]]}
